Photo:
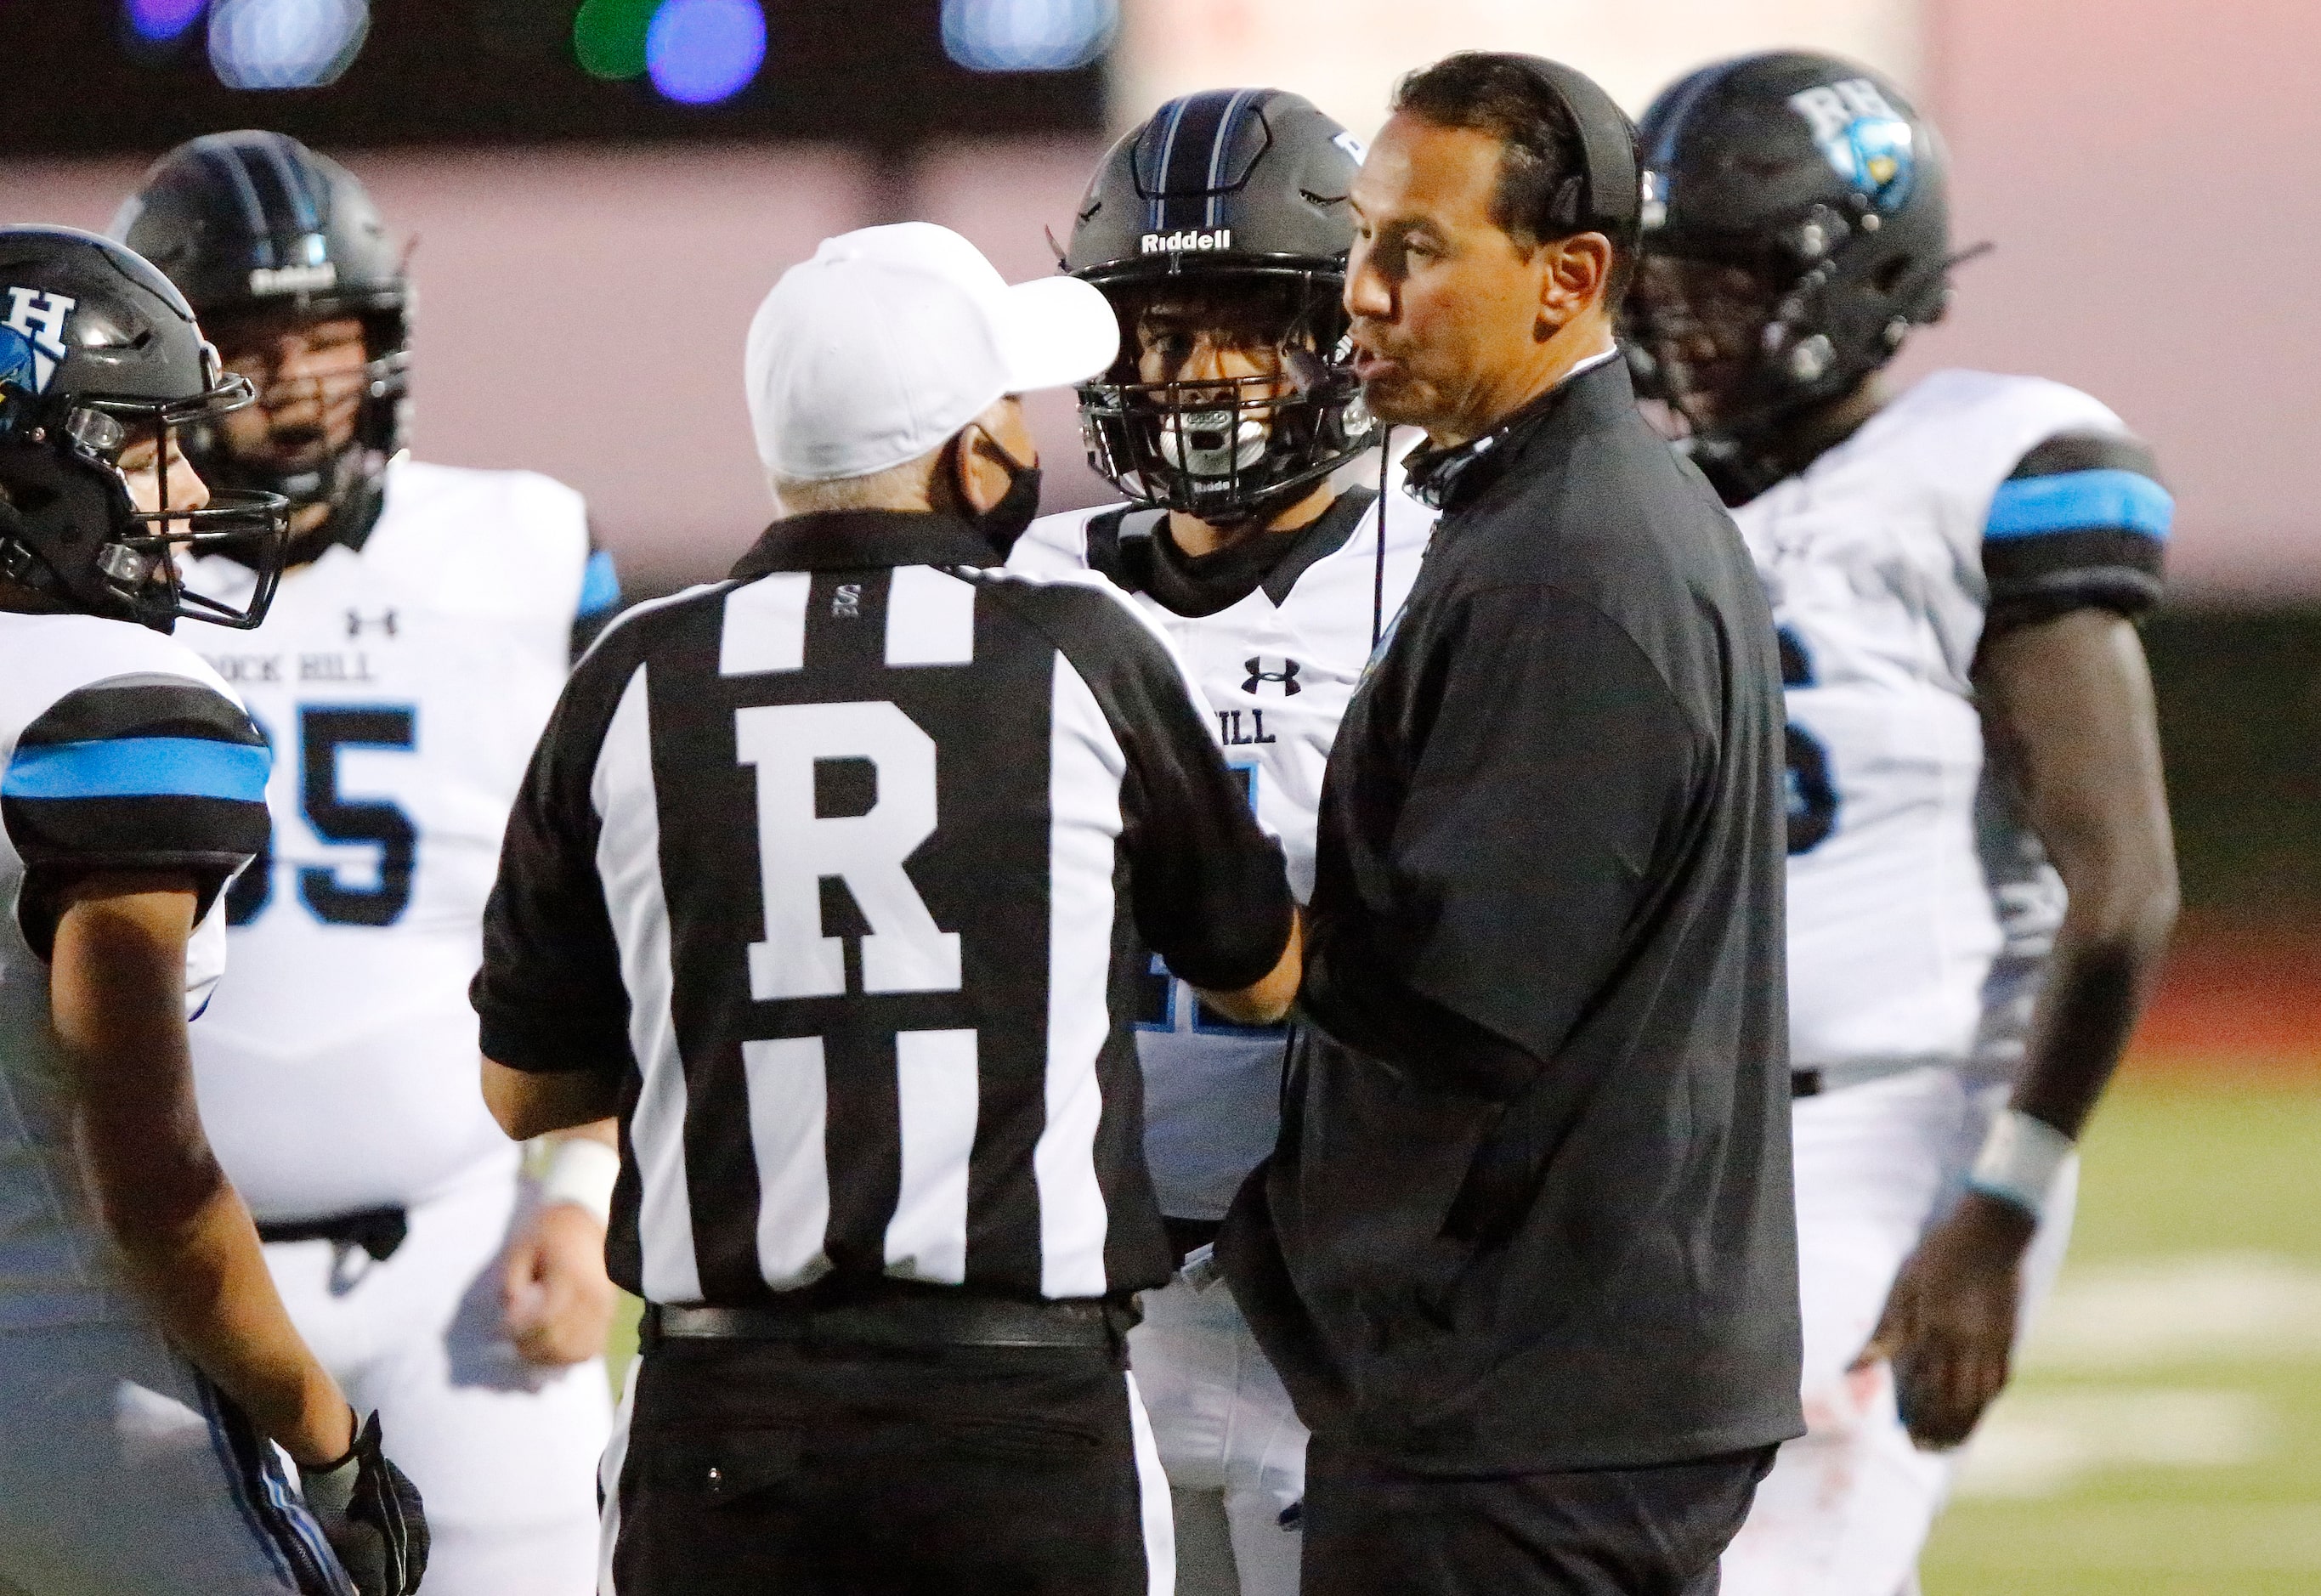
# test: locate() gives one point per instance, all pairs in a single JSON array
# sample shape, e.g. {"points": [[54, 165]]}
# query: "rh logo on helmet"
{"points": [[1172, 243], [33, 338], [1866, 141]]}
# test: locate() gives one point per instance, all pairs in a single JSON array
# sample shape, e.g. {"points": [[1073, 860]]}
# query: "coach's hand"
{"points": [[1949, 1325], [370, 1511], [553, 1289]]}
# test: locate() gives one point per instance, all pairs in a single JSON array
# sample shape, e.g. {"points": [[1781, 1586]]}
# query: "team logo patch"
{"points": [[1285, 677], [33, 338], [1865, 139]]}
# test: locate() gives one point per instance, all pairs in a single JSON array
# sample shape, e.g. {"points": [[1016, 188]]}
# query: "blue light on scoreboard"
{"points": [[286, 43], [694, 52], [1028, 35], [687, 52], [698, 52], [158, 22]]}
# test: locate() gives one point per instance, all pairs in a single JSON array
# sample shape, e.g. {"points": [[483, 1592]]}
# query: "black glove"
{"points": [[371, 1510]]}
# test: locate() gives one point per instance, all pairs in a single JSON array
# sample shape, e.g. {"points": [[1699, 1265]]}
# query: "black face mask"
{"points": [[1005, 522]]}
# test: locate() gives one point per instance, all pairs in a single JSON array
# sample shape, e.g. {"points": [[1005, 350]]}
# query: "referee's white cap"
{"points": [[891, 338]]}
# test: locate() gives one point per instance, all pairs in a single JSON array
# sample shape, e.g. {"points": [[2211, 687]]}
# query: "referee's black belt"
{"points": [[907, 1323], [380, 1232]]}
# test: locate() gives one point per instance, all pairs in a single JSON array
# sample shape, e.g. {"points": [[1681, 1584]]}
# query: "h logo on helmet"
{"points": [[1285, 678], [33, 338]]}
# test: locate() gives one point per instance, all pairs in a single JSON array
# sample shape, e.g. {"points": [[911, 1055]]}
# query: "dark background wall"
{"points": [[2240, 720]]}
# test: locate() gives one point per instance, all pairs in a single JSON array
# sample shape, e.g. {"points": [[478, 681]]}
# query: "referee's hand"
{"points": [[1949, 1325], [554, 1289]]}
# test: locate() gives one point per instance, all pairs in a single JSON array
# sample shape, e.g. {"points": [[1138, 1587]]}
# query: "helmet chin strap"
{"points": [[340, 481], [20, 564]]}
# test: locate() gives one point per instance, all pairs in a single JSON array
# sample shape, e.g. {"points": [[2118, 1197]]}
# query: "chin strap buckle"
{"points": [[18, 563]]}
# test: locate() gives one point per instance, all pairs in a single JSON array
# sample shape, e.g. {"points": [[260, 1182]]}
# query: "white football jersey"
{"points": [[119, 749], [1277, 667], [401, 685], [1920, 910]]}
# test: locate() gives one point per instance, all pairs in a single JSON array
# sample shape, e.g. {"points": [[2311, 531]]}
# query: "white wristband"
{"points": [[581, 1171], [2019, 1159]]}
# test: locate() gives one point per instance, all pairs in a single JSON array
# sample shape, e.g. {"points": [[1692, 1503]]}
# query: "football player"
{"points": [[1980, 870], [1219, 231], [418, 643], [147, 1368]]}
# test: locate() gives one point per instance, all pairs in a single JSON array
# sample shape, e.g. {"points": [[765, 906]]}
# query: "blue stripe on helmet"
{"points": [[1192, 153], [219, 150], [600, 585], [2080, 501], [293, 178], [1175, 112], [1688, 93], [1221, 151], [139, 767]]}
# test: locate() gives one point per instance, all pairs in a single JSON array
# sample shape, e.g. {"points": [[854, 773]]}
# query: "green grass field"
{"points": [[2164, 1436]]}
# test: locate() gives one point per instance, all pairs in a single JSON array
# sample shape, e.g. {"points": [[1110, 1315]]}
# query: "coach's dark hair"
{"points": [[1543, 164]]}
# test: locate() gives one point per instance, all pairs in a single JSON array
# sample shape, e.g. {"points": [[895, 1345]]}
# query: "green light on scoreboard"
{"points": [[609, 36]]}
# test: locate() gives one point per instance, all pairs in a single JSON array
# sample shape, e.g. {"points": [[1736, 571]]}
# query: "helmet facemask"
{"points": [[1705, 325], [1740, 335], [348, 425], [1234, 393], [72, 527]]}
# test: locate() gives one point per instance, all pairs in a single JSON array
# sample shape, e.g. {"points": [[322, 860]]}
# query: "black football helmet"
{"points": [[259, 232], [1227, 209], [99, 353], [1796, 227]]}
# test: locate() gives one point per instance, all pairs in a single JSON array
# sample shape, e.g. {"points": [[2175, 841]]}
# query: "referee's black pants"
{"points": [[1375, 1531], [751, 1468]]}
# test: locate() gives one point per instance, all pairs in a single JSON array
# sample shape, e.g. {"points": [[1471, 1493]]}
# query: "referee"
{"points": [[833, 879], [1525, 1255]]}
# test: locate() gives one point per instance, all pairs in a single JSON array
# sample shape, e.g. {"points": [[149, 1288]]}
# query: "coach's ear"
{"points": [[529, 1103]]}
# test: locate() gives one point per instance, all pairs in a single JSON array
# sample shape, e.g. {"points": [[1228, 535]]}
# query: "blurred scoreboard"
{"points": [[1346, 55], [106, 76]]}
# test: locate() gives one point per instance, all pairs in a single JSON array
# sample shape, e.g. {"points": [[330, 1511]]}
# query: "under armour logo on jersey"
{"points": [[359, 622], [33, 338], [846, 604], [1287, 676]]}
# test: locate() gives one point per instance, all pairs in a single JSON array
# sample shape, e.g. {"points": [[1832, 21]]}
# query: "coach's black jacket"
{"points": [[1531, 1208]]}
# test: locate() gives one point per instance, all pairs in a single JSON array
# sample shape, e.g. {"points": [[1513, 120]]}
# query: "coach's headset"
{"points": [[1606, 197]]}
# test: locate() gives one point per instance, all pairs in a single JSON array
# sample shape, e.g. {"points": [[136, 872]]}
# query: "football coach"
{"points": [[834, 880], [1526, 1254]]}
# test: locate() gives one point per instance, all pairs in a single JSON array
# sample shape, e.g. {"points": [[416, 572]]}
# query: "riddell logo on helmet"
{"points": [[1170, 243], [293, 279]]}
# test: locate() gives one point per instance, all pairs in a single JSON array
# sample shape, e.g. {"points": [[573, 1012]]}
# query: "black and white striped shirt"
{"points": [[843, 865]]}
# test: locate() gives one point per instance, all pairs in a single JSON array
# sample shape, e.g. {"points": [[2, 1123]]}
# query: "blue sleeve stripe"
{"points": [[2078, 501], [139, 767], [600, 585]]}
